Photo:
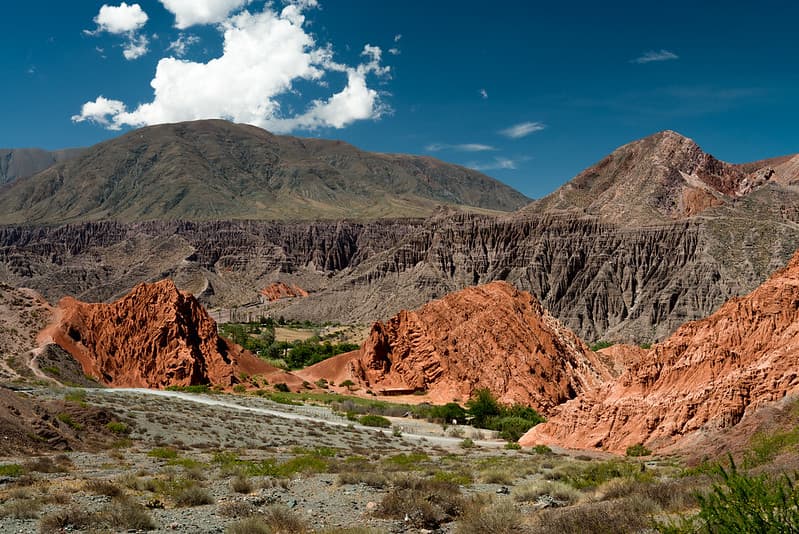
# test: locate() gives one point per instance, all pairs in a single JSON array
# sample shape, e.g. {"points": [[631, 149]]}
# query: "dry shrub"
{"points": [[277, 519], [45, 464], [194, 496], [103, 487], [499, 518], [236, 509], [426, 503], [241, 484], [498, 476], [21, 509], [72, 518], [250, 525], [618, 516], [671, 495], [562, 493], [126, 514]]}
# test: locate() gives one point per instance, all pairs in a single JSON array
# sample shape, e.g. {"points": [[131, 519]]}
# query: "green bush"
{"points": [[67, 420], [447, 413], [11, 470], [601, 344], [510, 421], [744, 503], [282, 387], [164, 453], [374, 420], [118, 427], [482, 406], [511, 428], [638, 450]]}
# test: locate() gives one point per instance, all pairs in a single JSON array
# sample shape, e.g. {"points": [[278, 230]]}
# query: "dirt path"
{"points": [[288, 414]]}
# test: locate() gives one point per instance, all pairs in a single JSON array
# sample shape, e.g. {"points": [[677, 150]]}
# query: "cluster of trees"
{"points": [[259, 338], [484, 411]]}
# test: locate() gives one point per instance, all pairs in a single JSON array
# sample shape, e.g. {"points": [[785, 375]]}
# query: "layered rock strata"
{"points": [[154, 337], [491, 336], [707, 376]]}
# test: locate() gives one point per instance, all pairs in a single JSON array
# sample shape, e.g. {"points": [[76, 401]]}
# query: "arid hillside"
{"points": [[154, 337], [491, 336], [709, 375]]}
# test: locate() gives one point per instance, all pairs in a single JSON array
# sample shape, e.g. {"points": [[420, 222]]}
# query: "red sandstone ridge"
{"points": [[155, 336], [281, 290], [489, 336], [706, 377]]}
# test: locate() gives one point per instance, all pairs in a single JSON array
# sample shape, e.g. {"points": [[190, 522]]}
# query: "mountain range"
{"points": [[694, 231], [216, 170]]}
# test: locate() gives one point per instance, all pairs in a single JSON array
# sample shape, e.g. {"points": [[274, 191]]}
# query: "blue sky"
{"points": [[450, 79]]}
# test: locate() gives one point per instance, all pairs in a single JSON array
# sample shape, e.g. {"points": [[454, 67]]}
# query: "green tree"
{"points": [[482, 406]]}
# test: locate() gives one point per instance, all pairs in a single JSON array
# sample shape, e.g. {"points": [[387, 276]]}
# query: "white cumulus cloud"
{"points": [[655, 55], [191, 12], [264, 56], [523, 129], [124, 20], [120, 19], [99, 111]]}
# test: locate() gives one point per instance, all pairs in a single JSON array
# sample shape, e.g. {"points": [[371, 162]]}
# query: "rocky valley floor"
{"points": [[246, 464]]}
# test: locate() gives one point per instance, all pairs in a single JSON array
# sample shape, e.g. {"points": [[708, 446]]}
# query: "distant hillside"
{"points": [[661, 178], [214, 169], [18, 163]]}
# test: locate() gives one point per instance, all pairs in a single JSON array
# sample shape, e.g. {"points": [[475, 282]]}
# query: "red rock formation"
{"points": [[281, 290], [707, 376], [491, 336], [155, 336]]}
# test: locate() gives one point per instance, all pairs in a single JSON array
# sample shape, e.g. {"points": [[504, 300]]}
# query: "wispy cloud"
{"points": [[483, 94], [522, 129], [498, 163], [465, 147], [181, 45], [655, 55]]}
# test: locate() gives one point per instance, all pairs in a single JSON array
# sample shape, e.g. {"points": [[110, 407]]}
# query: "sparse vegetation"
{"points": [[601, 344], [374, 420], [69, 421], [11, 470], [163, 453], [510, 421], [194, 496], [638, 450], [117, 427]]}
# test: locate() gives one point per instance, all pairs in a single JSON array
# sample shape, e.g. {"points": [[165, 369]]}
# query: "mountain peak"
{"points": [[660, 178]]}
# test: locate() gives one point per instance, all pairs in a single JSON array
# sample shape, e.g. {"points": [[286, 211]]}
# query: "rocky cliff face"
{"points": [[156, 336], [280, 290], [491, 336], [599, 279], [707, 376]]}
